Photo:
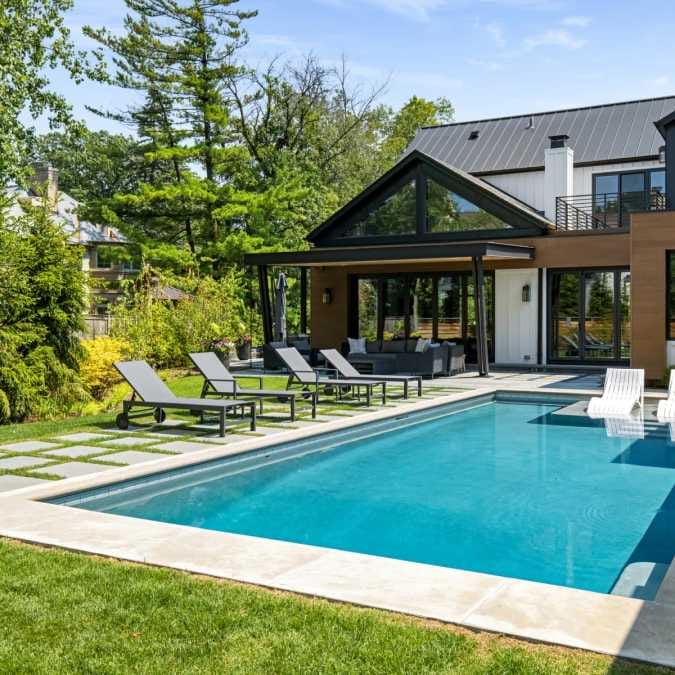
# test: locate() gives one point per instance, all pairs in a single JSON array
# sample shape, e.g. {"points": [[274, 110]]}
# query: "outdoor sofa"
{"points": [[271, 360], [388, 357]]}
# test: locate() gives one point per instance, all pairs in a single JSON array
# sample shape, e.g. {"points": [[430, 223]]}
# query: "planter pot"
{"points": [[224, 357], [244, 351]]}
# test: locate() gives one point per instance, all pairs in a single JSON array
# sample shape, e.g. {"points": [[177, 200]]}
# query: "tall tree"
{"points": [[34, 40], [180, 54]]}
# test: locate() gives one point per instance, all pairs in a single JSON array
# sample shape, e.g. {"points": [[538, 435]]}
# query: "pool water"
{"points": [[505, 488]]}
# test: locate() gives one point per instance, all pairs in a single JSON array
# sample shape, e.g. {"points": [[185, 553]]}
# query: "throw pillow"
{"points": [[357, 345], [422, 345]]}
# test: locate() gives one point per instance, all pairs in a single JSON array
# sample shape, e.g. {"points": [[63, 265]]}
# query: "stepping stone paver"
{"points": [[228, 440], [29, 446], [171, 433], [185, 446], [81, 437], [72, 469], [126, 441], [76, 451], [8, 483], [22, 462], [134, 457]]}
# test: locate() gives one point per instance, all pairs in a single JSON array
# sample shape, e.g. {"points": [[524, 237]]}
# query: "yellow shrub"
{"points": [[97, 370]]}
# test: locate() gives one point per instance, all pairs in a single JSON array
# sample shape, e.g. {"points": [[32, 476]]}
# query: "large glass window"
{"points": [[617, 195], [670, 300], [396, 215], [368, 299], [448, 212], [438, 306], [590, 315]]}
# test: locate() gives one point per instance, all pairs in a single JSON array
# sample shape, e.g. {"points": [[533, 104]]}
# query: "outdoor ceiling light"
{"points": [[327, 296]]}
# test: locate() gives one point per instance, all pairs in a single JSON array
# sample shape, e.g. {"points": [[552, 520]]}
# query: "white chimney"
{"points": [[558, 173]]}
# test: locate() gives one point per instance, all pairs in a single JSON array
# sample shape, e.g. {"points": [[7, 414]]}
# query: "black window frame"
{"points": [[616, 319], [465, 277], [670, 286]]}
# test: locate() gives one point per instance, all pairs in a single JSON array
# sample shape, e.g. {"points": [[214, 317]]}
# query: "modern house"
{"points": [[98, 242], [539, 239]]}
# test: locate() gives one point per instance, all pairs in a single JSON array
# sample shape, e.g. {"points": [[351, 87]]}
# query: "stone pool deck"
{"points": [[609, 624]]}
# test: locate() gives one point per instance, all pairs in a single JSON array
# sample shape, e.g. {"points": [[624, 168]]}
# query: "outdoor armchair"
{"points": [[219, 381], [150, 393]]}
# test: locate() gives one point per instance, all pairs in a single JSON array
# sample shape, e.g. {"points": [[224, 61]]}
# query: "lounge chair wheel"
{"points": [[159, 415], [122, 421]]}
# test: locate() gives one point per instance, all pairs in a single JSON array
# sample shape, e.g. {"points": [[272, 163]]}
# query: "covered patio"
{"points": [[421, 257]]}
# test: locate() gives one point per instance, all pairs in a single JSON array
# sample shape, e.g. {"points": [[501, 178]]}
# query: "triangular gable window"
{"points": [[446, 211], [394, 216]]}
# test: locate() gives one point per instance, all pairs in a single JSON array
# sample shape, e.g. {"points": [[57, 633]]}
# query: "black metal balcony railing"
{"points": [[605, 210]]}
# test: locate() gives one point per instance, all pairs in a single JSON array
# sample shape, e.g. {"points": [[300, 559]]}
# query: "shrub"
{"points": [[96, 370]]}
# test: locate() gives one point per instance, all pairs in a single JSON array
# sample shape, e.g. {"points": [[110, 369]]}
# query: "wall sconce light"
{"points": [[662, 154], [327, 296], [526, 293]]}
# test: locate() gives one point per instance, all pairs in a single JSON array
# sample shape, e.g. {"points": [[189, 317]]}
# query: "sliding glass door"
{"points": [[589, 314]]}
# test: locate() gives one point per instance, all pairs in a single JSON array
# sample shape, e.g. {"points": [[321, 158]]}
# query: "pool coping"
{"points": [[609, 624]]}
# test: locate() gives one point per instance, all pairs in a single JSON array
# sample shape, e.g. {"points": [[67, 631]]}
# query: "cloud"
{"points": [[492, 66], [274, 40], [497, 33], [526, 4], [555, 37], [660, 81], [417, 10], [577, 21]]}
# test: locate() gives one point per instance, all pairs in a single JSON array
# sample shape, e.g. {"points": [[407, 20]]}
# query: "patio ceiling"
{"points": [[340, 256]]}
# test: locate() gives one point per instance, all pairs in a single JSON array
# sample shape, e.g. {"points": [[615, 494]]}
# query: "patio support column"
{"points": [[481, 317], [265, 306], [303, 300]]}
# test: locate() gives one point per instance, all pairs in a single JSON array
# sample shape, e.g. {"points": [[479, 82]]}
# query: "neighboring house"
{"points": [[97, 243], [533, 240]]}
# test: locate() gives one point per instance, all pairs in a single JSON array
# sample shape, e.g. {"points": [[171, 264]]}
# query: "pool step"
{"points": [[640, 580]]}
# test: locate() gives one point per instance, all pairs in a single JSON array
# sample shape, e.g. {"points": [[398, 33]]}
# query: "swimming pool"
{"points": [[508, 487]]}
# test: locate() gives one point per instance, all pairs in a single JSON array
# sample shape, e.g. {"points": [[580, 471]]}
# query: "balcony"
{"points": [[605, 210]]}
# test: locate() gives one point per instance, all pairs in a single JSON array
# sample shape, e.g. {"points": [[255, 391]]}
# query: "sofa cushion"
{"points": [[422, 345], [373, 347], [357, 345], [393, 346], [280, 344]]}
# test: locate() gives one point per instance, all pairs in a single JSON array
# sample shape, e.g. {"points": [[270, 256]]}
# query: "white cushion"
{"points": [[422, 345], [357, 345]]}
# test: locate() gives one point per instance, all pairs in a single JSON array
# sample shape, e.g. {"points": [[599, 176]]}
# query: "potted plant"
{"points": [[223, 349], [244, 348]]}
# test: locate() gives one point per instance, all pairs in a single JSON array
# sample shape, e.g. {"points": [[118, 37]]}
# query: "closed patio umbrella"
{"points": [[280, 308]]}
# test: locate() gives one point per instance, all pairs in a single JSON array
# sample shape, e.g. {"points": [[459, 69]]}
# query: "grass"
{"points": [[68, 613]]}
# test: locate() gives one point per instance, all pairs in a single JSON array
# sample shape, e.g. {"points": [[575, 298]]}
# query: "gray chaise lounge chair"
{"points": [[307, 377], [153, 393], [219, 381], [347, 370]]}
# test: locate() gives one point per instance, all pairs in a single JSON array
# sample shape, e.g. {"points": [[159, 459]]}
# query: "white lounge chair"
{"points": [[624, 389], [666, 409]]}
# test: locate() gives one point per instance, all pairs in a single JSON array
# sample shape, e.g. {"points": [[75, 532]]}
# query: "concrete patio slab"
{"points": [[22, 462], [29, 446], [8, 483], [134, 457], [76, 451], [229, 439], [81, 437], [185, 446], [72, 469], [128, 441]]}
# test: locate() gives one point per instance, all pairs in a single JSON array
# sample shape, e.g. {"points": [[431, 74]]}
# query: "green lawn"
{"points": [[67, 613]]}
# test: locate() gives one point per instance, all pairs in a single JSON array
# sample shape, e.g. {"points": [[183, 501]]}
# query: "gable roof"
{"points": [[597, 134], [521, 215]]}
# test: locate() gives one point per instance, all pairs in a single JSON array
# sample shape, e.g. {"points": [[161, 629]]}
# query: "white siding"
{"points": [[528, 186], [515, 320]]}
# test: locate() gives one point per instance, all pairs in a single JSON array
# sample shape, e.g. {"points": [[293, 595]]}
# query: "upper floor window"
{"points": [[394, 215], [104, 258], [448, 212]]}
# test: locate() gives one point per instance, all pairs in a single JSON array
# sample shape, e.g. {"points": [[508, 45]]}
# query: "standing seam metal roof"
{"points": [[604, 133]]}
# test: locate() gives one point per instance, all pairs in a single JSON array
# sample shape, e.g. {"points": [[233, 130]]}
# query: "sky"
{"points": [[489, 57]]}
